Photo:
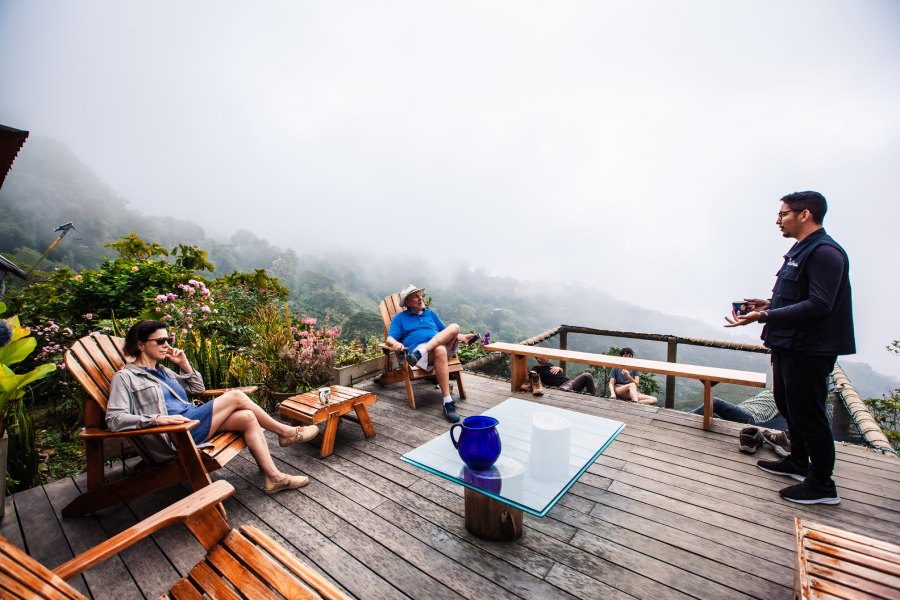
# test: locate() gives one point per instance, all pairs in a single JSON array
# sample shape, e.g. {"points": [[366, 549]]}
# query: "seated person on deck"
{"points": [[623, 384], [554, 376], [430, 343]]}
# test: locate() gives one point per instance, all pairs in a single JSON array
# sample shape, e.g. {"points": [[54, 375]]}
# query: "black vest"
{"points": [[829, 335]]}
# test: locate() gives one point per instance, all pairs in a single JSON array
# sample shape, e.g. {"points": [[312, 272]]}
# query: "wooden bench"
{"points": [[832, 563], [307, 410], [708, 376]]}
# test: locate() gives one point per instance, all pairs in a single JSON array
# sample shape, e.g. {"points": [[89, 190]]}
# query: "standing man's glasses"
{"points": [[783, 213], [162, 340]]}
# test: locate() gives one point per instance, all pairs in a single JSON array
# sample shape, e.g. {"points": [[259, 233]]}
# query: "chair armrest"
{"points": [[201, 501], [94, 433], [247, 389]]}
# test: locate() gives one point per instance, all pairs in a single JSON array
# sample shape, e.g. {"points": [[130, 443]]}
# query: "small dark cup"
{"points": [[740, 307]]}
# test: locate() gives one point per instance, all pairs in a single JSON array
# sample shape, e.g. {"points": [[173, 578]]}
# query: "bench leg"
{"points": [[707, 404], [518, 371], [364, 421], [331, 427]]}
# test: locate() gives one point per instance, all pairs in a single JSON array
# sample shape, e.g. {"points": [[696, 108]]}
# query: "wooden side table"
{"points": [[306, 409]]}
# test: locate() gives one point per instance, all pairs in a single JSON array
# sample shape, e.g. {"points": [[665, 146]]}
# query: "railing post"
{"points": [[672, 357], [563, 345]]}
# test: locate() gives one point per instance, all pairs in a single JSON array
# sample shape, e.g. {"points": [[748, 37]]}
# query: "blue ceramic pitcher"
{"points": [[479, 442]]}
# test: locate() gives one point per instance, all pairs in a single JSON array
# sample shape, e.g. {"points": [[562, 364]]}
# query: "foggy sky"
{"points": [[638, 147]]}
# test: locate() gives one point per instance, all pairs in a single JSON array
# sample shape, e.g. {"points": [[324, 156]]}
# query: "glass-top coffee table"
{"points": [[544, 451]]}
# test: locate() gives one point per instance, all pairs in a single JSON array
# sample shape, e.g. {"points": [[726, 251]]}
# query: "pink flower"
{"points": [[161, 298], [193, 282], [171, 296], [159, 309], [134, 268], [205, 309], [78, 278], [167, 317], [308, 321]]}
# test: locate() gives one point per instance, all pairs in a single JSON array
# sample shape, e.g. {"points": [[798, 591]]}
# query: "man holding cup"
{"points": [[807, 323]]}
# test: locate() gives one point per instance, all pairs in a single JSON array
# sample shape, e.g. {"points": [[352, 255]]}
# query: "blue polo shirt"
{"points": [[411, 329]]}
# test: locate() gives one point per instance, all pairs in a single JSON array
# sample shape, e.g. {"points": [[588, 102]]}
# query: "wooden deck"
{"points": [[668, 511]]}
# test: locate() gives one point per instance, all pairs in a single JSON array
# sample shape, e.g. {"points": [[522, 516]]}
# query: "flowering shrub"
{"points": [[193, 307], [291, 353], [311, 354]]}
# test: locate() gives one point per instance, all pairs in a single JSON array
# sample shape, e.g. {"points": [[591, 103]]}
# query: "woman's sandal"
{"points": [[290, 482], [304, 433], [472, 339]]}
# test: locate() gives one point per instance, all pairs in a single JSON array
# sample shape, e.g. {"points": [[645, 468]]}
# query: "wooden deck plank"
{"points": [[668, 511]]}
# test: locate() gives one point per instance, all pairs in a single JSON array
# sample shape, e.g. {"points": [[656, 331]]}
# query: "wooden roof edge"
{"points": [[866, 424]]}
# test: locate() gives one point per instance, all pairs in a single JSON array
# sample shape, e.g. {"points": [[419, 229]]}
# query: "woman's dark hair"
{"points": [[814, 202], [625, 351], [138, 333]]}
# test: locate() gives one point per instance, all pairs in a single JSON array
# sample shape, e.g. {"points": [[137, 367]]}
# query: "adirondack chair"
{"points": [[93, 360], [245, 560], [396, 369]]}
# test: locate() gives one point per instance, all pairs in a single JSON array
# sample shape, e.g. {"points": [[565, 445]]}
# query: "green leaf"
{"points": [[17, 351]]}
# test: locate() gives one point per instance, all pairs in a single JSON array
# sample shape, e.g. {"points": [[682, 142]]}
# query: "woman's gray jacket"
{"points": [[136, 400]]}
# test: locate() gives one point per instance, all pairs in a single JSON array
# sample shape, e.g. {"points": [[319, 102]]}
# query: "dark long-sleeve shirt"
{"points": [[824, 269]]}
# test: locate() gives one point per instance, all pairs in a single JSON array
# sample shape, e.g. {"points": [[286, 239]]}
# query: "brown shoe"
{"points": [[525, 387], [290, 482], [537, 388], [303, 434]]}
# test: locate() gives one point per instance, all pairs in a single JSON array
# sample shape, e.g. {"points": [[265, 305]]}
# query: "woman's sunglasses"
{"points": [[162, 340]]}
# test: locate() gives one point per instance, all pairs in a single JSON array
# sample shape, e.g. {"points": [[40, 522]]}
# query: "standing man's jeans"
{"points": [[801, 392]]}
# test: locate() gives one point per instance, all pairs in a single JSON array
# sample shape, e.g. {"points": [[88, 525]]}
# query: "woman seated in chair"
{"points": [[145, 394]]}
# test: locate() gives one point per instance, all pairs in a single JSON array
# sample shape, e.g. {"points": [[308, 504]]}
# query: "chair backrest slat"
{"points": [[389, 307], [93, 360]]}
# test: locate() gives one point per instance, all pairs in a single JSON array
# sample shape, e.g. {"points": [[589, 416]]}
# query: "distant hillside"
{"points": [[49, 186]]}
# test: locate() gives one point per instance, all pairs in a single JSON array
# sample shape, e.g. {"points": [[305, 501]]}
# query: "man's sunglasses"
{"points": [[162, 340]]}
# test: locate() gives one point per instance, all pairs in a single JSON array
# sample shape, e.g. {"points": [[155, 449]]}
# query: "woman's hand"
{"points": [[177, 356], [171, 419]]}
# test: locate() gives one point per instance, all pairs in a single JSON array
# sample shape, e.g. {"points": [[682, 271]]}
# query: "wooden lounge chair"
{"points": [[93, 360], [239, 563], [396, 369]]}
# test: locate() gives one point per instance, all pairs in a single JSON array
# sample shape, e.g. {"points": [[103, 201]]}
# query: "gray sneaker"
{"points": [[450, 412], [777, 441]]}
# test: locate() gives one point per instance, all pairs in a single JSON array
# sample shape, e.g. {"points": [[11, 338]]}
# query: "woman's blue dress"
{"points": [[182, 406]]}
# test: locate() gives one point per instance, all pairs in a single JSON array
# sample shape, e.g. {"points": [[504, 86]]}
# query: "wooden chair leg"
{"points": [[459, 382], [407, 380]]}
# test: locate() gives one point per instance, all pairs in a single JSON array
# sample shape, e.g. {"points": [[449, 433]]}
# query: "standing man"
{"points": [[807, 324], [429, 342]]}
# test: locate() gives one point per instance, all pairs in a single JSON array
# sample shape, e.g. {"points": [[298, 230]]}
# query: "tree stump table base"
{"points": [[492, 520]]}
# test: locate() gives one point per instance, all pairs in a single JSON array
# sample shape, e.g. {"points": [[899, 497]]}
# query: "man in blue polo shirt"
{"points": [[429, 342]]}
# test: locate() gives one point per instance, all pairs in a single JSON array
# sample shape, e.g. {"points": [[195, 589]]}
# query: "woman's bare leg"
{"points": [[235, 400]]}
